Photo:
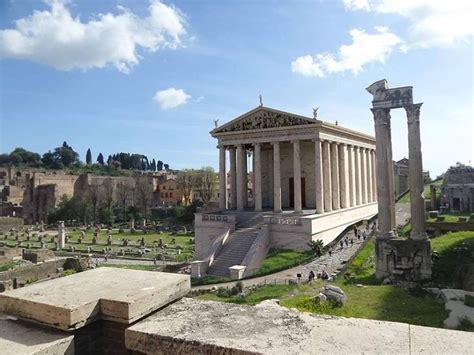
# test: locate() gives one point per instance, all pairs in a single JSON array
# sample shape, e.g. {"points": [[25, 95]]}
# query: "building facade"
{"points": [[457, 192]]}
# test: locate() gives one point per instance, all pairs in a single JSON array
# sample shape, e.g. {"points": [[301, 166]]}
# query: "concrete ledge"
{"points": [[17, 337], [206, 327], [118, 295]]}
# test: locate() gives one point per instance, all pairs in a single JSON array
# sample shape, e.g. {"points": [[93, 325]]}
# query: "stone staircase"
{"points": [[236, 247]]}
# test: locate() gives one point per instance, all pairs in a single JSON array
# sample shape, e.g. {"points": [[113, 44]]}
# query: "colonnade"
{"points": [[344, 176]]}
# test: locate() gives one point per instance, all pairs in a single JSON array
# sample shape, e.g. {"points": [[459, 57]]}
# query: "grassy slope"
{"points": [[280, 259], [426, 192]]}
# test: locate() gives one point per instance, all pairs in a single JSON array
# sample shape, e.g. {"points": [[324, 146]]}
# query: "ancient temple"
{"points": [[311, 180]]}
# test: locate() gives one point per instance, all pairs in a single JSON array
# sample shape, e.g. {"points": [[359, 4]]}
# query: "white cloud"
{"points": [[364, 49], [55, 38], [171, 98], [433, 22]]}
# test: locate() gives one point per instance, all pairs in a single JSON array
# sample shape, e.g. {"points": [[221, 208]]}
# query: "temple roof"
{"points": [[261, 118]]}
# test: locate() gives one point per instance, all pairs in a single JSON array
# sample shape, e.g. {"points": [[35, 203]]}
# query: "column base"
{"points": [[386, 235], [418, 236]]}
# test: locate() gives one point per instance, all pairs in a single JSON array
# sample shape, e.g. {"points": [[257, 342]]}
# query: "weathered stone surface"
{"points": [[205, 327], [18, 337], [108, 293], [334, 294]]}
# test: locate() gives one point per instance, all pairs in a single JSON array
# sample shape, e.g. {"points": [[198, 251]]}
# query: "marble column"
{"points": [[363, 177], [241, 178], [415, 174], [374, 175], [369, 174], [343, 175], [358, 200], [297, 177], [233, 178], [327, 177], [257, 181], [318, 163], [335, 176], [351, 186], [245, 194], [276, 178], [384, 172], [222, 179]]}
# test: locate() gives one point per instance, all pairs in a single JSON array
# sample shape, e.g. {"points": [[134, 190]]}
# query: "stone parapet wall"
{"points": [[7, 223]]}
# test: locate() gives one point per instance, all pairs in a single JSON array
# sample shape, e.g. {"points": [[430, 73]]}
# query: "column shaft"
{"points": [[276, 178], [222, 179], [241, 178], [384, 172], [233, 178], [343, 175], [351, 186], [363, 178], [335, 176], [318, 163], [369, 175], [257, 183], [327, 177], [415, 174], [374, 176], [358, 199], [297, 176]]}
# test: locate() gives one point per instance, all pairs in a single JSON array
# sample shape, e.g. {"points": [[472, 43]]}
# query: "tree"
{"points": [[167, 166], [50, 160], [204, 182], [108, 192], [159, 165], [124, 193], [153, 165], [94, 194], [89, 157], [185, 180], [110, 161], [65, 155], [317, 246], [100, 159], [143, 193]]}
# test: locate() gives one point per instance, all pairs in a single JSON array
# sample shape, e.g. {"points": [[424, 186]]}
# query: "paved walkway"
{"points": [[329, 263]]}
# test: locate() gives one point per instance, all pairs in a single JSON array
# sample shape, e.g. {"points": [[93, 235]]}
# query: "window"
{"points": [[162, 195], [171, 195], [166, 195]]}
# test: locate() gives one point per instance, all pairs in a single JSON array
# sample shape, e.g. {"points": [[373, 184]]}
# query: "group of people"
{"points": [[364, 233]]}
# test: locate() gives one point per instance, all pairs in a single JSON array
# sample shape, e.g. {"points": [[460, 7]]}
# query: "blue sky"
{"points": [[150, 77]]}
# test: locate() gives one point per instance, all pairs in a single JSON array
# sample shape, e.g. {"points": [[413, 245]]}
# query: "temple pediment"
{"points": [[263, 118]]}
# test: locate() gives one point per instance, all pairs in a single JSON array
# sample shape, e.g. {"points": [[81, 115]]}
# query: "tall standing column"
{"points": [[327, 177], [384, 171], [222, 179], [297, 176], [245, 195], [415, 174], [357, 176], [369, 174], [276, 178], [343, 175], [318, 163], [363, 178], [233, 178], [241, 178], [351, 186], [335, 176], [257, 182]]}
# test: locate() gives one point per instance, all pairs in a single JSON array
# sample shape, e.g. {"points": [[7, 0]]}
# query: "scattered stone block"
{"points": [[118, 295], [433, 214], [334, 294], [440, 219]]}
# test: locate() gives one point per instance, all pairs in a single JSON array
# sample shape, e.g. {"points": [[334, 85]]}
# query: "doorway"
{"points": [[292, 192]]}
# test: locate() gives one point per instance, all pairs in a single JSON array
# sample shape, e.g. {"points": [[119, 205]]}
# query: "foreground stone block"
{"points": [[18, 337], [118, 295], [206, 327]]}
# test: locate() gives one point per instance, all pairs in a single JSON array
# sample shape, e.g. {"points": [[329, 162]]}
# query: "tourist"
{"points": [[154, 260], [105, 257], [324, 275], [330, 253], [311, 276], [358, 235], [342, 244], [347, 242], [352, 242]]}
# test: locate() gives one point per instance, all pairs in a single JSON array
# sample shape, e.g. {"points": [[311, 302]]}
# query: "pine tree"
{"points": [[110, 160], [153, 165], [89, 157], [100, 159]]}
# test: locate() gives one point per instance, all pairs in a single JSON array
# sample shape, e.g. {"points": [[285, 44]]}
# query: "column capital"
{"points": [[275, 143], [381, 116], [317, 139], [257, 144], [413, 112], [295, 141]]}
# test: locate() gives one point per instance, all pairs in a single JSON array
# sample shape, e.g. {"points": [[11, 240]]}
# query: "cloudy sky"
{"points": [[152, 76]]}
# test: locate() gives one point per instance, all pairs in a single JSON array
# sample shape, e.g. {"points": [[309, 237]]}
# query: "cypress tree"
{"points": [[89, 157]]}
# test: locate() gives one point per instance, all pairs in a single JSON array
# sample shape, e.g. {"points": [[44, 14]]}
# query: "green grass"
{"points": [[132, 266], [8, 266], [362, 267], [469, 300], [282, 259], [208, 280], [151, 240], [426, 192], [454, 251], [451, 217]]}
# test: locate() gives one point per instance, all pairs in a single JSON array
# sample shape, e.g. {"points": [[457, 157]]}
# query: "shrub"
{"points": [[469, 300]]}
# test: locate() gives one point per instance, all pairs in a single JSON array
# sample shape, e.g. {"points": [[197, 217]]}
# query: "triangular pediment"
{"points": [[263, 118]]}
